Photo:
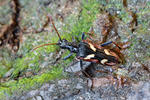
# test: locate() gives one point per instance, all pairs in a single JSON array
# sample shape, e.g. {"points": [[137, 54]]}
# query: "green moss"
{"points": [[25, 84], [32, 60], [90, 8]]}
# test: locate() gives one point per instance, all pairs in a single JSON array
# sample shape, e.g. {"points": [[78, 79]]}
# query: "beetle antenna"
{"points": [[55, 27], [43, 45]]}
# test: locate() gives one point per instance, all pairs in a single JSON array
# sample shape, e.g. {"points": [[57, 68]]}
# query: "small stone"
{"points": [[33, 93], [33, 98], [76, 67], [38, 98], [79, 86], [50, 89]]}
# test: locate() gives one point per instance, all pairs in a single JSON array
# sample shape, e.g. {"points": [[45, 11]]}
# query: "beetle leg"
{"points": [[83, 36], [120, 81], [85, 73], [125, 45], [100, 71], [106, 43], [90, 34], [122, 46], [81, 65], [68, 56], [117, 45]]}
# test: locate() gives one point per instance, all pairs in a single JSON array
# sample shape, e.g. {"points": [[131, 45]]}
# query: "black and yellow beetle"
{"points": [[85, 50]]}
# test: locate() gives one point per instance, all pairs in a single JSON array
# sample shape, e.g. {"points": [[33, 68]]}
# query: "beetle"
{"points": [[86, 50]]}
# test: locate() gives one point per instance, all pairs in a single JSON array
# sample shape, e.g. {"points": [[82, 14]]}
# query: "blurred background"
{"points": [[41, 74]]}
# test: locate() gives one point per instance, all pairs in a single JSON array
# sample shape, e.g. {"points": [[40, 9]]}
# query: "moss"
{"points": [[25, 84], [32, 60], [74, 26], [89, 10]]}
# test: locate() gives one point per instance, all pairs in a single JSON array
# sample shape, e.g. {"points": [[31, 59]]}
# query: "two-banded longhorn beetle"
{"points": [[85, 50], [89, 51]]}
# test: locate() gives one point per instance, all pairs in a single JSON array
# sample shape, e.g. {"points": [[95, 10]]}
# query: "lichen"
{"points": [[33, 15], [32, 60]]}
